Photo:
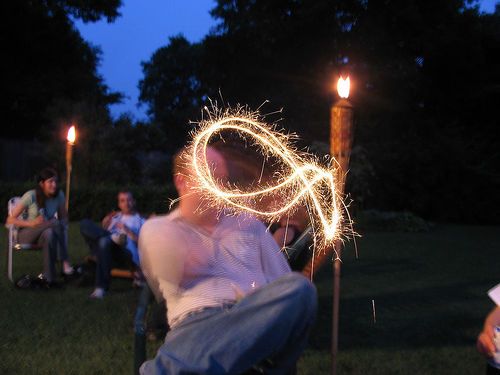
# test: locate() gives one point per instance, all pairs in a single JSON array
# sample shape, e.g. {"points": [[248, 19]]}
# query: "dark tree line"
{"points": [[49, 81], [46, 61], [426, 88]]}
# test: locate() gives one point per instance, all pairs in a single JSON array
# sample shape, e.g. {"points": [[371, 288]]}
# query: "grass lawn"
{"points": [[429, 291]]}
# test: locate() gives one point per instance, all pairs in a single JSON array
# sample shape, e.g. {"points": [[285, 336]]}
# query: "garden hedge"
{"points": [[95, 201]]}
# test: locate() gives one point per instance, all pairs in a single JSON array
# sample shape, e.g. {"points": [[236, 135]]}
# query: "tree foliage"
{"points": [[46, 61], [172, 88], [425, 87]]}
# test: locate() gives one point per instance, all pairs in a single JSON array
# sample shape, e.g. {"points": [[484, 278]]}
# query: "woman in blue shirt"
{"points": [[42, 218]]}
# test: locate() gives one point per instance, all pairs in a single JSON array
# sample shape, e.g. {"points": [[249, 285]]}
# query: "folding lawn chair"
{"points": [[299, 253], [13, 242]]}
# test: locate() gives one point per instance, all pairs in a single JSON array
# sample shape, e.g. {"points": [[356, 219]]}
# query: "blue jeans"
{"points": [[268, 328], [91, 233], [106, 251]]}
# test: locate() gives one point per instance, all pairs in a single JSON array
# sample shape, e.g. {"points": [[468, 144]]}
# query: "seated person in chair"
{"points": [[115, 240], [44, 222], [232, 302]]}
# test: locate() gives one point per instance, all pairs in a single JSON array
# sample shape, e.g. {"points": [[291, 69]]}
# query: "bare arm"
{"points": [[134, 237], [284, 235], [107, 219], [162, 252], [12, 219]]}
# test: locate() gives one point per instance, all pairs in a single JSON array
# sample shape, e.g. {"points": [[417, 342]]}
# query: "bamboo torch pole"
{"points": [[69, 160], [341, 137]]}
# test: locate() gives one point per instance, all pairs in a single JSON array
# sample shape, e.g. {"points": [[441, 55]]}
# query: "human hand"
{"points": [[111, 214], [485, 344], [106, 221], [123, 228], [239, 294], [53, 222], [39, 220], [283, 236]]}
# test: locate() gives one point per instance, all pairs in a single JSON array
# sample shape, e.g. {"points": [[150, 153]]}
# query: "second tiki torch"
{"points": [[341, 137], [69, 160]]}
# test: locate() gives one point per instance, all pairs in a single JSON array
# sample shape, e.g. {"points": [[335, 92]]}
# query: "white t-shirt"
{"points": [[192, 269], [134, 223]]}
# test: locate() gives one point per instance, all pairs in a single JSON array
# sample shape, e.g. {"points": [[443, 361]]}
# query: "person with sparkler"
{"points": [[42, 218], [114, 241], [232, 302]]}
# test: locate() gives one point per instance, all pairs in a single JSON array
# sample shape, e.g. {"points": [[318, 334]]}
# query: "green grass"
{"points": [[430, 297], [429, 291]]}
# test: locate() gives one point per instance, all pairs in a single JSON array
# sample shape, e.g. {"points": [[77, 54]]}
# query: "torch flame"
{"points": [[343, 87], [71, 135]]}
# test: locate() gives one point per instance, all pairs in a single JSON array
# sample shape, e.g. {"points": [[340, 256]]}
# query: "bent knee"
{"points": [[47, 235], [303, 290], [85, 224], [104, 242]]}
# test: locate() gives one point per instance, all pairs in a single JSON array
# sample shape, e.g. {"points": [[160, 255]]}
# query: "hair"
{"points": [[43, 175], [244, 164], [125, 191], [179, 161]]}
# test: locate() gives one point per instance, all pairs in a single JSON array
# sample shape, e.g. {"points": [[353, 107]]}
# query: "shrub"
{"points": [[391, 221], [95, 201]]}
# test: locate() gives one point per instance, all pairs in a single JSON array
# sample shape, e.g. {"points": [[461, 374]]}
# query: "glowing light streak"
{"points": [[300, 180]]}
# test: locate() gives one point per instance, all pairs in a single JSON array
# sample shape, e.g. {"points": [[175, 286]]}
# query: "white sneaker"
{"points": [[68, 269], [98, 293]]}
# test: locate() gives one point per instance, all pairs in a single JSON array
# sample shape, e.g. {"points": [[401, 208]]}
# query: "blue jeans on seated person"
{"points": [[271, 325], [106, 251]]}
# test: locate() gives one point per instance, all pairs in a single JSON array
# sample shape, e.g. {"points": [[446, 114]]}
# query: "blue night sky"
{"points": [[143, 27]]}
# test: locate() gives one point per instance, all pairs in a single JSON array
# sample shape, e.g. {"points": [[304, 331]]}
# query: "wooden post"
{"points": [[69, 161], [341, 137]]}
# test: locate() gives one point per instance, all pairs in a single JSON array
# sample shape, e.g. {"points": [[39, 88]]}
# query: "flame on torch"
{"points": [[71, 135], [343, 86]]}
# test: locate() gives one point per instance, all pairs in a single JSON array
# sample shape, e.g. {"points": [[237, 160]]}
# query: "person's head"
{"points": [[46, 185], [126, 202], [190, 197]]}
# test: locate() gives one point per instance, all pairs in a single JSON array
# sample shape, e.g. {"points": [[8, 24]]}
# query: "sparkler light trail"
{"points": [[298, 177]]}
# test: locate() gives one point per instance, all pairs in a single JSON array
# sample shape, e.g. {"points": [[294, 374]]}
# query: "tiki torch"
{"points": [[341, 137], [69, 158]]}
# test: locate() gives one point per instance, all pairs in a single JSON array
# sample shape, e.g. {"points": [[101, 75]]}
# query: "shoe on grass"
{"points": [[98, 293], [68, 269], [139, 280]]}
